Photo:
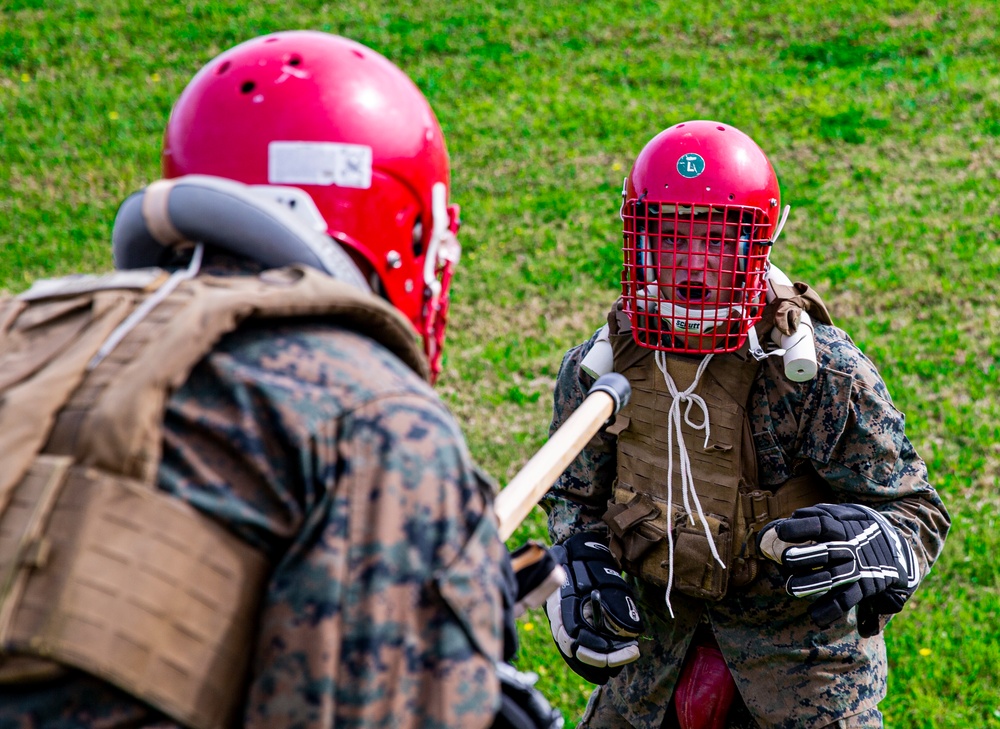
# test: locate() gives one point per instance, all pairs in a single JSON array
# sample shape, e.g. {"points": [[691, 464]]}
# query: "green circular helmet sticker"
{"points": [[690, 165]]}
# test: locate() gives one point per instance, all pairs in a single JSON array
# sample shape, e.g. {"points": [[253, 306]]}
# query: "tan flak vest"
{"points": [[724, 472], [99, 570]]}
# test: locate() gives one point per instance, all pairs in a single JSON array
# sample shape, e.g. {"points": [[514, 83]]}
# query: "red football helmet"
{"points": [[335, 119], [700, 211]]}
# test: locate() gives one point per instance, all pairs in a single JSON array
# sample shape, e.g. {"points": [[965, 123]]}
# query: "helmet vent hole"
{"points": [[418, 239], [295, 60], [222, 69], [732, 196], [721, 129], [247, 87], [359, 54]]}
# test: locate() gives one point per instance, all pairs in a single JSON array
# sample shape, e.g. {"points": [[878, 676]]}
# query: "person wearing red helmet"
{"points": [[341, 123], [767, 509], [234, 499]]}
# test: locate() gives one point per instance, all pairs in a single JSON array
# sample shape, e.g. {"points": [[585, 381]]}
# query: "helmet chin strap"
{"points": [[781, 224], [439, 234]]}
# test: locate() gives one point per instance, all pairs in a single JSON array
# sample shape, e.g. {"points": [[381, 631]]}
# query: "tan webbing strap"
{"points": [[637, 525], [156, 215], [761, 507], [625, 517], [114, 420], [785, 310], [70, 427], [22, 522]]}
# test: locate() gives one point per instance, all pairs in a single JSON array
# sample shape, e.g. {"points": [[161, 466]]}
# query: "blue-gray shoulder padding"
{"points": [[229, 215]]}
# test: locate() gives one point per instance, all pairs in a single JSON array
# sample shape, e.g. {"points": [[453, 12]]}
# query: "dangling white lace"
{"points": [[688, 493], [142, 311]]}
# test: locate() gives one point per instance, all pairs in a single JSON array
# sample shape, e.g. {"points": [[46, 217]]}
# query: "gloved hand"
{"points": [[844, 553], [522, 706], [593, 616]]}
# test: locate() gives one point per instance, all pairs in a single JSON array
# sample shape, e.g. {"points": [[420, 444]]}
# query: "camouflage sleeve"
{"points": [[854, 436], [386, 611], [578, 499], [384, 608]]}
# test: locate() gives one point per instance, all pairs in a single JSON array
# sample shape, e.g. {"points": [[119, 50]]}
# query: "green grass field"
{"points": [[882, 119]]}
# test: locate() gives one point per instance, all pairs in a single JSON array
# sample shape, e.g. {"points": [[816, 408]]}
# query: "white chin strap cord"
{"points": [[688, 493]]}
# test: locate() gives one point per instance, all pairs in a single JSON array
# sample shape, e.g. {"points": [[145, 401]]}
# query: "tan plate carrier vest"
{"points": [[725, 473], [99, 570]]}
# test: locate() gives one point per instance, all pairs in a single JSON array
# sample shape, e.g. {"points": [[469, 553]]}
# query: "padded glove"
{"points": [[593, 616], [522, 706], [847, 554]]}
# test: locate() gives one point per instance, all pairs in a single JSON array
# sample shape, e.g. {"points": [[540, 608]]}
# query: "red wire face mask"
{"points": [[692, 280]]}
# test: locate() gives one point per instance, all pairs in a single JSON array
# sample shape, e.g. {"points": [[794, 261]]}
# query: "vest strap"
{"points": [[761, 507]]}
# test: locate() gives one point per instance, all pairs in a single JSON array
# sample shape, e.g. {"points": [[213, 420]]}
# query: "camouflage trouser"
{"points": [[601, 714]]}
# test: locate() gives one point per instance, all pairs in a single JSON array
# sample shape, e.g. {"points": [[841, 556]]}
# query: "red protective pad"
{"points": [[705, 690]]}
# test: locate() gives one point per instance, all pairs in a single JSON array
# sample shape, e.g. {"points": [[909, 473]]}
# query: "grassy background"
{"points": [[882, 119]]}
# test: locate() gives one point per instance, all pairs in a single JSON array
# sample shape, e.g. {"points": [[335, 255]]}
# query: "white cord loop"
{"points": [[688, 493]]}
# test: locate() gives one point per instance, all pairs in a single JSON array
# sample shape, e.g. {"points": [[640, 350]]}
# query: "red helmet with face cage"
{"points": [[700, 210], [335, 119]]}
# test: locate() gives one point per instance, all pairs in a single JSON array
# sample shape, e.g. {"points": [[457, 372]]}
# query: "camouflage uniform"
{"points": [[326, 452], [791, 674]]}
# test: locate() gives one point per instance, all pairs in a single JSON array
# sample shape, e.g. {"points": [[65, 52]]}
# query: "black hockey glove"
{"points": [[522, 706], [593, 616], [846, 554]]}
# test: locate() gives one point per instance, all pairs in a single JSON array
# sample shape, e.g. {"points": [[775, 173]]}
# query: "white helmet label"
{"points": [[690, 165], [319, 163]]}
